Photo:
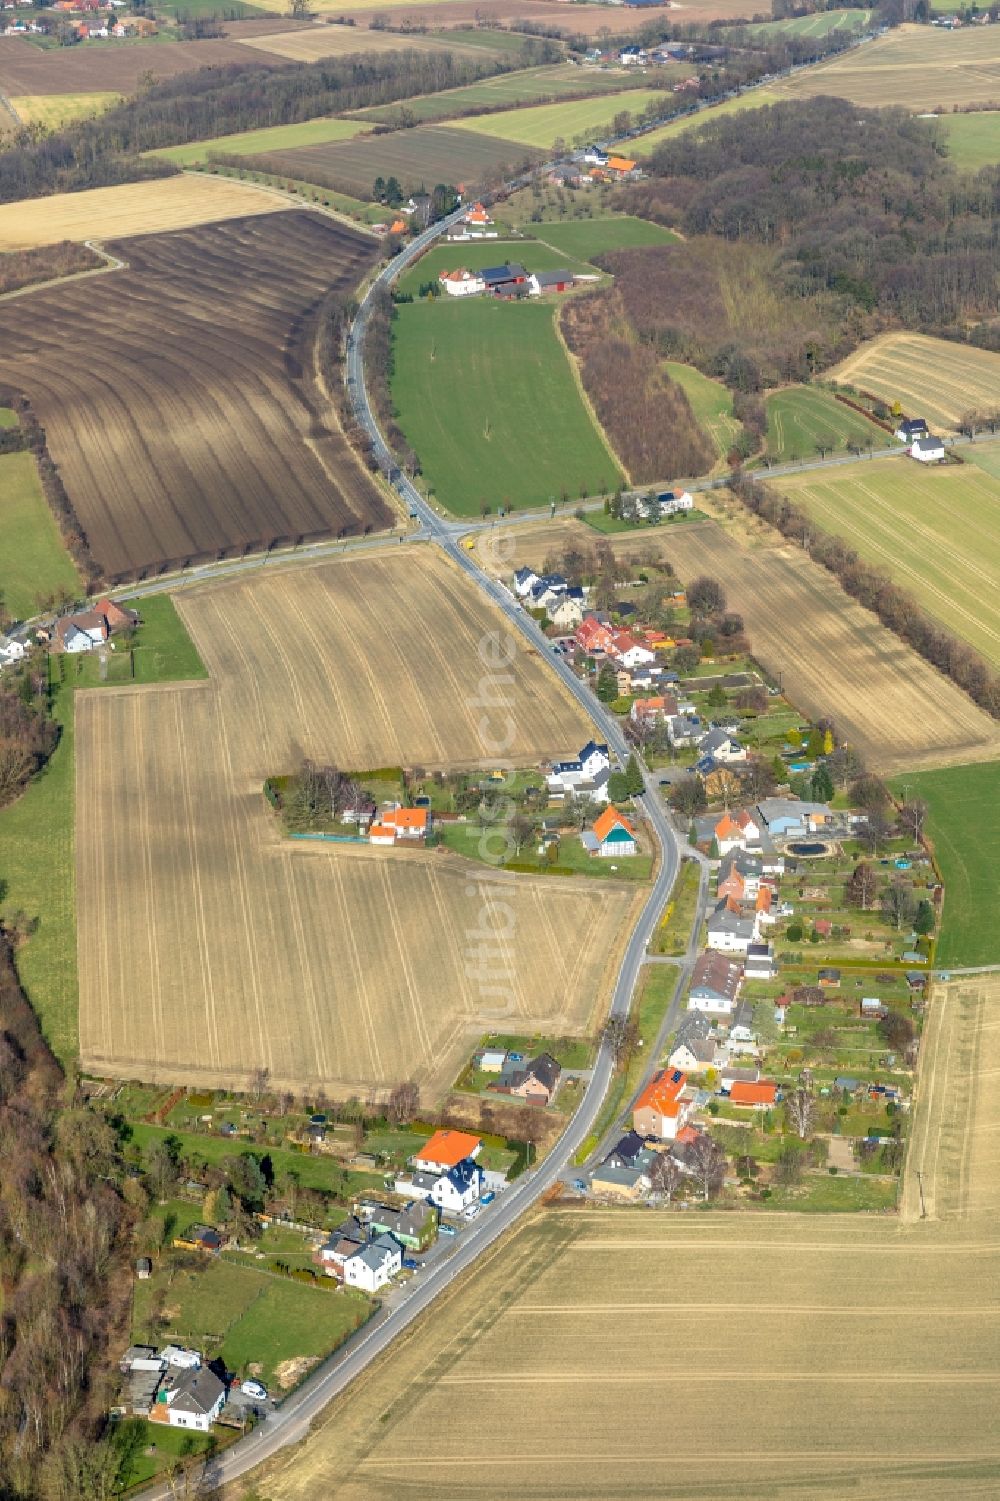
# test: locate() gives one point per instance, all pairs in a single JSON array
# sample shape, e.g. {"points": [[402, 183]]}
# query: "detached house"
{"points": [[661, 1110], [462, 283], [628, 651], [594, 635], [929, 450], [477, 217], [612, 835], [400, 825], [373, 1265], [735, 831], [588, 774], [729, 930], [445, 1150], [715, 984], [911, 428], [535, 1082], [194, 1399], [648, 711], [723, 748]]}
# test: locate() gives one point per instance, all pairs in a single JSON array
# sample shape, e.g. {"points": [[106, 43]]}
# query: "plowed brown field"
{"points": [[26, 69], [783, 1326], [209, 946], [179, 396], [834, 656]]}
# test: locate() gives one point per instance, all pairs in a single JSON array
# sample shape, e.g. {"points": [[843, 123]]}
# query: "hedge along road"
{"points": [[291, 1422]]}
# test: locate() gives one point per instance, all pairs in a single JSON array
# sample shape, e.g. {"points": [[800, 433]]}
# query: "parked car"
{"points": [[411, 1264], [447, 1229], [471, 1212], [579, 1185], [488, 1198], [255, 1389]]}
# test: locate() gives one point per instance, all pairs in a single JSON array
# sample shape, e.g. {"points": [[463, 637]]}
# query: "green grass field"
{"points": [[486, 395], [711, 402], [163, 651], [7, 417], [474, 255], [936, 531], [55, 110], [271, 138], [541, 84], [802, 419], [33, 561], [820, 23], [246, 1316], [36, 831], [753, 99], [964, 824], [986, 458], [973, 140], [548, 122], [147, 1449], [585, 238]]}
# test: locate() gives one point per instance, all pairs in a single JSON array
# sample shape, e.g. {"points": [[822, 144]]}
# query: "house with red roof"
{"points": [[663, 1107], [759, 1096], [592, 635], [648, 711], [628, 649], [461, 283], [478, 217]]}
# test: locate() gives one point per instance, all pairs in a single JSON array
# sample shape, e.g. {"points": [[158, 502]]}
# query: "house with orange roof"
{"points": [[647, 711], [621, 166], [461, 283], [478, 217], [760, 1096], [592, 635], [735, 831], [663, 1109], [612, 835], [445, 1150], [398, 823], [628, 650]]}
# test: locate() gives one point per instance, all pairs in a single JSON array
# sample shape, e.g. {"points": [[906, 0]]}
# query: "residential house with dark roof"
{"points": [[194, 1399], [373, 1265], [715, 984], [535, 1082]]}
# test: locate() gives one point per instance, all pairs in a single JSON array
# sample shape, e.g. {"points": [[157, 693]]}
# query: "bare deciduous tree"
{"points": [[707, 1164], [800, 1107], [664, 1175]]}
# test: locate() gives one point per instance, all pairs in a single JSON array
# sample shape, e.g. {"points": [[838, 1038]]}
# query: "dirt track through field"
{"points": [[209, 946], [179, 398], [605, 1353]]}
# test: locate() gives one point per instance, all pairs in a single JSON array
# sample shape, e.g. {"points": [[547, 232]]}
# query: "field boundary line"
{"points": [[111, 263]]}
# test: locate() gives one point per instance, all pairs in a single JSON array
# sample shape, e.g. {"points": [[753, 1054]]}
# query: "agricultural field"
{"points": [[243, 960], [532, 254], [963, 823], [312, 44], [55, 110], [134, 208], [930, 378], [256, 142], [571, 120], [487, 396], [645, 144], [33, 561], [206, 333], [901, 1305], [802, 420], [936, 531], [820, 23], [585, 238], [918, 67], [527, 86], [711, 402], [418, 158], [584, 19], [973, 140], [97, 68]]}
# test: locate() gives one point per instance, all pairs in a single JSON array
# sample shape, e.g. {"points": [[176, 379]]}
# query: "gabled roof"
{"points": [[448, 1147], [405, 818], [662, 1092], [753, 1094], [609, 820]]}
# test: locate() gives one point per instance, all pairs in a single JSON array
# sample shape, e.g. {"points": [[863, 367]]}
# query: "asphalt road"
{"points": [[292, 1420]]}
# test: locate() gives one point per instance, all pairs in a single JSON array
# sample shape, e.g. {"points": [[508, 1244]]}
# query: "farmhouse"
{"points": [[927, 450], [510, 280], [462, 283], [445, 1150], [661, 1110], [75, 633], [612, 835]]}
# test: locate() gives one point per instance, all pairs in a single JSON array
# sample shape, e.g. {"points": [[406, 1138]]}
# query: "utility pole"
{"points": [[923, 1204]]}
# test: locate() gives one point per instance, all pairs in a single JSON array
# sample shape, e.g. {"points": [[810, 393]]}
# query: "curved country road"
{"points": [[291, 1421]]}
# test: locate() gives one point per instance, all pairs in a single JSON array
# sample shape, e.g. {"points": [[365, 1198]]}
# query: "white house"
{"points": [[191, 1400], [588, 774], [632, 56], [741, 1034], [566, 613], [723, 748], [12, 651], [373, 1265], [759, 963], [461, 283], [458, 1188], [595, 156], [927, 450], [911, 428], [729, 931], [666, 503]]}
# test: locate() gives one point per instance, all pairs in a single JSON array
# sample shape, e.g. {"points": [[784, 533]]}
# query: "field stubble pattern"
{"points": [[179, 397], [850, 1355], [209, 947]]}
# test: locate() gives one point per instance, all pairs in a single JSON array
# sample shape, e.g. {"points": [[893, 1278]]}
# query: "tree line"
{"points": [[898, 611], [219, 101], [23, 268], [70, 528]]}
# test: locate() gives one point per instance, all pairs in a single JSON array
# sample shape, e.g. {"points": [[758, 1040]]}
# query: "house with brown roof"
{"points": [[715, 984], [535, 1082]]}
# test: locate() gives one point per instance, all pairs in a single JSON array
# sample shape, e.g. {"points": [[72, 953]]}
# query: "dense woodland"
{"points": [[27, 735], [828, 222], [645, 414], [220, 101]]}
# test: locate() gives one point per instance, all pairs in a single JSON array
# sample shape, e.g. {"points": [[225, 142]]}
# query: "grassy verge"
{"points": [[33, 561], [674, 930], [658, 983], [820, 1193]]}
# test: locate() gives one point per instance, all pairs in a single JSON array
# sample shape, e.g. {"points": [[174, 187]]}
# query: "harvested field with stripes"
{"points": [[936, 531], [918, 67], [210, 947], [930, 378], [27, 69], [312, 44], [179, 397], [834, 656], [850, 1356]]}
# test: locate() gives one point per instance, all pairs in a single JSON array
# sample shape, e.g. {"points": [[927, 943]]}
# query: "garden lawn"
{"points": [[803, 419], [467, 839], [585, 238], [486, 395], [148, 1449], [542, 125], [270, 138], [972, 140], [711, 402], [964, 825], [474, 256], [33, 561], [658, 984], [819, 1193]]}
